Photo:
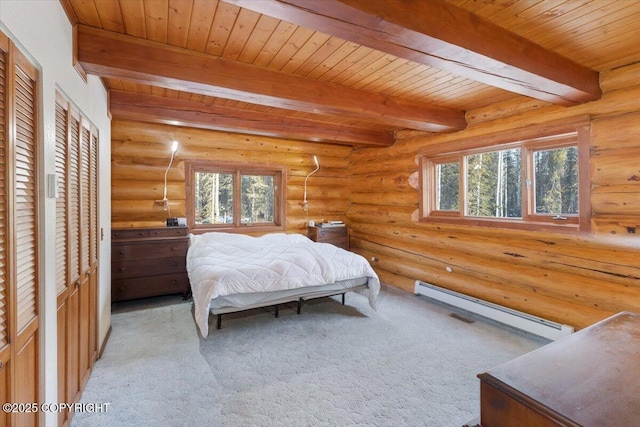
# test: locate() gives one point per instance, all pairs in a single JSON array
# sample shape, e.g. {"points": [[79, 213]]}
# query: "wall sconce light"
{"points": [[165, 202], [305, 205]]}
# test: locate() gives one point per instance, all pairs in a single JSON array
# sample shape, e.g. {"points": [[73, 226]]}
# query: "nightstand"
{"points": [[338, 236]]}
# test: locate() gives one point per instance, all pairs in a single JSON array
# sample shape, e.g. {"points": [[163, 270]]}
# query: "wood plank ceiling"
{"points": [[346, 71]]}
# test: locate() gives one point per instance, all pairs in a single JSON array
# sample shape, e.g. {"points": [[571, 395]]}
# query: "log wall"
{"points": [[140, 154], [576, 280]]}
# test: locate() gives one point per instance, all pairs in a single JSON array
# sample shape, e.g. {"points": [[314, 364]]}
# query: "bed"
{"points": [[233, 272]]}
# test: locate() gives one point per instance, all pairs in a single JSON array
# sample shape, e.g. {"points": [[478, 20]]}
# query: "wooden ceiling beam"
{"points": [[109, 54], [178, 112], [445, 37]]}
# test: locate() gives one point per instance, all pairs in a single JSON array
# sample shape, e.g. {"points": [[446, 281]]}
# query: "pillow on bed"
{"points": [[248, 242]]}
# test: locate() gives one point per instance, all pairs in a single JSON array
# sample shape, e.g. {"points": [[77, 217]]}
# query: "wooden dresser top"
{"points": [[591, 378], [138, 233]]}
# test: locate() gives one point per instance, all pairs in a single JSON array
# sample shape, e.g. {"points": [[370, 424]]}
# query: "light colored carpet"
{"points": [[408, 364]]}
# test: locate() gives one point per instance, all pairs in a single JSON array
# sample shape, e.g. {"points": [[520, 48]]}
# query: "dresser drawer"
{"points": [[148, 261], [146, 267], [141, 287], [129, 234], [147, 233], [168, 232], [148, 249]]}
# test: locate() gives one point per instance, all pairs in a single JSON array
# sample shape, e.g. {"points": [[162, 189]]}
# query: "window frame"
{"points": [[431, 164], [238, 170], [529, 140]]}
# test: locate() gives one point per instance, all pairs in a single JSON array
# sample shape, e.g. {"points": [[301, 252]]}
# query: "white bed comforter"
{"points": [[222, 264]]}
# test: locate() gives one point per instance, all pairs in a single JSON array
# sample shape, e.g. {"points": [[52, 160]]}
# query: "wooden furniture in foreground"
{"points": [[587, 379], [148, 262], [338, 236]]}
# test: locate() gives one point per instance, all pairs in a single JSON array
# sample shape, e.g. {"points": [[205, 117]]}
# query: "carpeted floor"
{"points": [[408, 364]]}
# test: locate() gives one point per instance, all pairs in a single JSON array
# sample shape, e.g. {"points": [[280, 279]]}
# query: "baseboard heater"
{"points": [[517, 319]]}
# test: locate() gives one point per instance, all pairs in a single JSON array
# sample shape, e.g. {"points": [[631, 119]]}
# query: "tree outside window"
{"points": [[556, 181], [230, 196], [533, 182]]}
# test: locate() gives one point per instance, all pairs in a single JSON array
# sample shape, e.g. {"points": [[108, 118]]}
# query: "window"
{"points": [[556, 181], [537, 180], [231, 196], [447, 186], [493, 184]]}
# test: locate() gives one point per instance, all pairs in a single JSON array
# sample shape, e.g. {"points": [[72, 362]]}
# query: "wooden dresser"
{"points": [[148, 262], [338, 236], [591, 378]]}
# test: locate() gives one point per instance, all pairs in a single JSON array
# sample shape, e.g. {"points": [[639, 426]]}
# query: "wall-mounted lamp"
{"points": [[305, 205], [165, 202]]}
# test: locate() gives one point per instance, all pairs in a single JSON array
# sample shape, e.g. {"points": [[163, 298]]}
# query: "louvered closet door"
{"points": [[19, 281], [94, 242], [73, 238], [62, 135], [62, 258], [5, 349], [76, 250], [85, 273], [74, 196], [25, 199], [25, 231], [93, 178]]}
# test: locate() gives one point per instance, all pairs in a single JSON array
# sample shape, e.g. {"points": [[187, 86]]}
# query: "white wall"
{"points": [[42, 31]]}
